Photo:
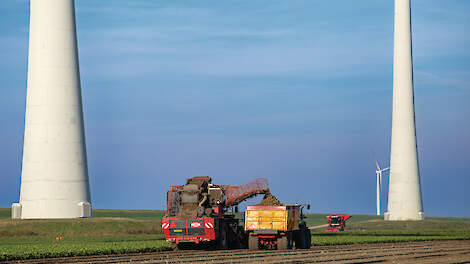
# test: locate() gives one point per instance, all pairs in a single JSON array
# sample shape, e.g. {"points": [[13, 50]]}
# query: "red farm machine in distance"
{"points": [[197, 212], [337, 222]]}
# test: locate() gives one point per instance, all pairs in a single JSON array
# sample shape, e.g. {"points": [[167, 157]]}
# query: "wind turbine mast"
{"points": [[379, 184], [54, 176], [404, 196]]}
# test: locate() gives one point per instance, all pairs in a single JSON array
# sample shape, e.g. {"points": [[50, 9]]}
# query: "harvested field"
{"points": [[411, 252]]}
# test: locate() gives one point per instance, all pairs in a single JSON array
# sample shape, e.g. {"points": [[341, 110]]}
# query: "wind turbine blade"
{"points": [[377, 164]]}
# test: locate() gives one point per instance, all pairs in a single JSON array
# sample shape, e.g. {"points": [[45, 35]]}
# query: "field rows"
{"points": [[127, 232], [413, 252]]}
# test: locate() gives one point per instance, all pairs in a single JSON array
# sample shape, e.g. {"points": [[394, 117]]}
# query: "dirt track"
{"points": [[409, 252]]}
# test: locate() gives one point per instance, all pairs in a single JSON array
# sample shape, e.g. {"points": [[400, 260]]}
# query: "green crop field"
{"points": [[127, 231], [381, 231], [373, 229], [109, 231]]}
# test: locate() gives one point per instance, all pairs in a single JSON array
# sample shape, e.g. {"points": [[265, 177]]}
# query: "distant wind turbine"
{"points": [[379, 183]]}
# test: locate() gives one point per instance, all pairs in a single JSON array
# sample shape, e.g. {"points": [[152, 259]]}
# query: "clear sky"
{"points": [[299, 92]]}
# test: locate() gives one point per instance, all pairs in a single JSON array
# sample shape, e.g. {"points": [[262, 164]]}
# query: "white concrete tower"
{"points": [[404, 198], [54, 178]]}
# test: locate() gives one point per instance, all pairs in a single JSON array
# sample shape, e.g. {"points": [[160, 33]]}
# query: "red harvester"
{"points": [[337, 222], [197, 212]]}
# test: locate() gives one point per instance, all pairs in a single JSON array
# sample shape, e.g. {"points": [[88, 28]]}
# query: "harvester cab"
{"points": [[337, 222]]}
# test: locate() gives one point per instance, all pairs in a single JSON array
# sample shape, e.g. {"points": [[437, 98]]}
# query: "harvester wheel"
{"points": [[282, 243], [179, 246], [253, 243], [174, 246]]}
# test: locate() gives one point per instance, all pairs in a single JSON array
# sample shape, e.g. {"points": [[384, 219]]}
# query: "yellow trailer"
{"points": [[276, 227]]}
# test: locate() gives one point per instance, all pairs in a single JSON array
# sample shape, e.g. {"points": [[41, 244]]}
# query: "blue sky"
{"points": [[299, 92]]}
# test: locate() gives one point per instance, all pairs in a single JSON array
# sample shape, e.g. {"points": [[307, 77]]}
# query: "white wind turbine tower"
{"points": [[379, 184], [404, 195], [54, 175]]}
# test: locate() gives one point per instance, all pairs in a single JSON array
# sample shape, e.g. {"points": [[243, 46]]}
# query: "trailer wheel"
{"points": [[282, 243], [308, 240], [290, 240], [223, 239], [300, 239], [253, 243]]}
